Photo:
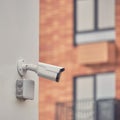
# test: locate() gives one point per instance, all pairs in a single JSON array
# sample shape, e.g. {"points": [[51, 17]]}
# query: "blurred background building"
{"points": [[84, 37]]}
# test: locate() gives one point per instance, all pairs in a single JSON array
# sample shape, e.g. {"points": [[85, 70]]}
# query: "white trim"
{"points": [[97, 36]]}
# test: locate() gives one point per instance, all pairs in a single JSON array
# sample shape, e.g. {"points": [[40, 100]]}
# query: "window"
{"points": [[94, 20], [90, 90], [105, 86], [84, 98], [85, 84]]}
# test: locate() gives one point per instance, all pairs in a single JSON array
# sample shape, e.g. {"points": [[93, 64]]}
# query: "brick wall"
{"points": [[56, 47]]}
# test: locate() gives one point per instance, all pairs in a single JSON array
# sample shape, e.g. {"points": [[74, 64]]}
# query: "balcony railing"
{"points": [[107, 109], [64, 111], [84, 110]]}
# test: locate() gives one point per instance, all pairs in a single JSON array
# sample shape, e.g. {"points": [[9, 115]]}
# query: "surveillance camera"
{"points": [[49, 71], [42, 69]]}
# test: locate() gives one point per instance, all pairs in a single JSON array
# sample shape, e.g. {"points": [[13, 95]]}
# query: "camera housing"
{"points": [[49, 71]]}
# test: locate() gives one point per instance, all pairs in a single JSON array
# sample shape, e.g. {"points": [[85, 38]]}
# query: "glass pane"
{"points": [[85, 98], [85, 15], [106, 14], [85, 88], [105, 85], [106, 109]]}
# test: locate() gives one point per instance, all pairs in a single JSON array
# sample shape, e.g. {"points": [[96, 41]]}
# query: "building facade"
{"points": [[82, 36]]}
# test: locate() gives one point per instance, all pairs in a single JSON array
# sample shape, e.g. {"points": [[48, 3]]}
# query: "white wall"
{"points": [[18, 38]]}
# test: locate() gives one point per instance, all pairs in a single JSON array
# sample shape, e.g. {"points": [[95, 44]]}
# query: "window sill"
{"points": [[95, 36]]}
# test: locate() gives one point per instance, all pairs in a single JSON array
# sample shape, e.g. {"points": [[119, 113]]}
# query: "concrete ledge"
{"points": [[96, 53]]}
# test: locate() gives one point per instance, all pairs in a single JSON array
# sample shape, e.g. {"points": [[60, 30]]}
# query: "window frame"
{"points": [[95, 90], [96, 29], [74, 92]]}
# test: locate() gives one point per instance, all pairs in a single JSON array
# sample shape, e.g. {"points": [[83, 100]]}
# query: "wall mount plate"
{"points": [[25, 89], [20, 69]]}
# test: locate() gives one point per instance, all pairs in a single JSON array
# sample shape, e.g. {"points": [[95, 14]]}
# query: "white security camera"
{"points": [[49, 71], [42, 69], [25, 88]]}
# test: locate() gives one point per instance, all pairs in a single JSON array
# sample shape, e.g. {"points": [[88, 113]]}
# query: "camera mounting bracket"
{"points": [[20, 69]]}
